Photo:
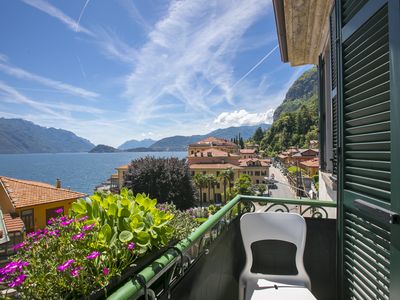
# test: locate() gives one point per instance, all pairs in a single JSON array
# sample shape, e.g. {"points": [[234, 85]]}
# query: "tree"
{"points": [[258, 135], [211, 182], [200, 182], [226, 177], [243, 185], [166, 179], [261, 188]]}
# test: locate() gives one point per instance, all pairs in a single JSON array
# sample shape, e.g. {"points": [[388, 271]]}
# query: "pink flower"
{"points": [[59, 211], [54, 233], [93, 255], [18, 280], [106, 271], [63, 218], [66, 265], [87, 227], [66, 223], [18, 246], [75, 271], [131, 246], [51, 221], [83, 219], [79, 236]]}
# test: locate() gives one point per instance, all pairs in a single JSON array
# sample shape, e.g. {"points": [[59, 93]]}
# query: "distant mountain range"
{"points": [[136, 144], [179, 143], [20, 136]]}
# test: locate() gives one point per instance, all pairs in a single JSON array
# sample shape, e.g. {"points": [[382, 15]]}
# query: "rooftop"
{"points": [[13, 224], [213, 141], [247, 151], [25, 193], [214, 166], [312, 163]]}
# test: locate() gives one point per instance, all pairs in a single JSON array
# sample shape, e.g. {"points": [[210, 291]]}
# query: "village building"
{"points": [[215, 159], [310, 166], [28, 205], [212, 142], [248, 153]]}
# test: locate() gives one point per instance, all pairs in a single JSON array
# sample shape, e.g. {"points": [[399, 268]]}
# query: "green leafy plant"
{"points": [[127, 218], [183, 223], [76, 255]]}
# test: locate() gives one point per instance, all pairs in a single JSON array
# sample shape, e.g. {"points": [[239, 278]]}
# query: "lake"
{"points": [[78, 171]]}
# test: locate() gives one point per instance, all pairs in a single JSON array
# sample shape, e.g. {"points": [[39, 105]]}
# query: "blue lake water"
{"points": [[78, 171]]}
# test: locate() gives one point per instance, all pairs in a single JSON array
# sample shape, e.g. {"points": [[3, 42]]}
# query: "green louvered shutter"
{"points": [[368, 171], [334, 89]]}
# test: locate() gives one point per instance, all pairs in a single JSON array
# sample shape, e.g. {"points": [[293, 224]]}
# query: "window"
{"points": [[217, 173], [51, 213], [204, 172], [257, 173], [28, 219], [193, 173]]}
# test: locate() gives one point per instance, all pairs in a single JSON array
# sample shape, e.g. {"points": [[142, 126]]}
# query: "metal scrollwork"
{"points": [[278, 207], [248, 207], [316, 212]]}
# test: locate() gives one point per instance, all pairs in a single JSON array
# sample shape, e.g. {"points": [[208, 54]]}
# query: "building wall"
{"points": [[214, 160], [327, 188], [219, 190], [256, 179], [39, 211], [5, 203], [195, 149]]}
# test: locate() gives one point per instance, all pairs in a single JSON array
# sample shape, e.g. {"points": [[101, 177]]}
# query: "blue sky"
{"points": [[117, 70]]}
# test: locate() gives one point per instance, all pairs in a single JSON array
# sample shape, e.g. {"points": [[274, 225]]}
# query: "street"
{"points": [[283, 190]]}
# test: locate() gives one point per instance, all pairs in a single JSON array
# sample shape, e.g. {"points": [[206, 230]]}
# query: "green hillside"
{"points": [[296, 119]]}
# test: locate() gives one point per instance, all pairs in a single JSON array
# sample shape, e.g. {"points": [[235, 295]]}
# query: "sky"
{"points": [[112, 71]]}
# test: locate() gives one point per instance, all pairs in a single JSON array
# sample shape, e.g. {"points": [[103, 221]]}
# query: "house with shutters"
{"points": [[356, 46]]}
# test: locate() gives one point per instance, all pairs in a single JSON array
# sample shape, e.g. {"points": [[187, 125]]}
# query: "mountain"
{"points": [[136, 144], [302, 92], [179, 142], [296, 119], [104, 149], [20, 136]]}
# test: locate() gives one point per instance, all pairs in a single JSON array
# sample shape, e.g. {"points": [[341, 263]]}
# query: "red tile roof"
{"points": [[247, 151], [213, 141], [213, 166], [23, 193], [245, 162], [13, 224], [312, 163]]}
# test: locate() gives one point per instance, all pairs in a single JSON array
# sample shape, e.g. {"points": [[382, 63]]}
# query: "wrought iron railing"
{"points": [[165, 272]]}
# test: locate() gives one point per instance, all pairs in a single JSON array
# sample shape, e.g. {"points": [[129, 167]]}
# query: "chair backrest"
{"points": [[287, 227]]}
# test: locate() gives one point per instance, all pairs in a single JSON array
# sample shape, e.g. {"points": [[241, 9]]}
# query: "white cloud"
{"points": [[63, 87], [58, 14], [243, 117], [113, 47], [190, 52]]}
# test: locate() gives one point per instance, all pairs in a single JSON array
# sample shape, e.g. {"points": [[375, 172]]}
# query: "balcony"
{"points": [[207, 265]]}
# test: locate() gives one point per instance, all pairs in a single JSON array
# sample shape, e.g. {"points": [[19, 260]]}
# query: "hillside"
{"points": [[302, 92], [104, 149], [179, 143], [136, 144], [296, 121], [20, 136]]}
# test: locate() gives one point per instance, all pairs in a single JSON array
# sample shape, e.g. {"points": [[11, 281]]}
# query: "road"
{"points": [[283, 190]]}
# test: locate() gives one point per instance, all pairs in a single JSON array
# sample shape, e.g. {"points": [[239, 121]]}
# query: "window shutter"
{"points": [[365, 196], [334, 108]]}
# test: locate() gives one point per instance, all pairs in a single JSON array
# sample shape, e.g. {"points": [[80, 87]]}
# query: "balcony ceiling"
{"points": [[302, 29]]}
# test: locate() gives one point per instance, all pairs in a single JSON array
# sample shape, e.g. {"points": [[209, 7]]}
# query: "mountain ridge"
{"points": [[19, 136]]}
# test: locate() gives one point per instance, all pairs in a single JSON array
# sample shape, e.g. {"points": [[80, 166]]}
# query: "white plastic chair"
{"points": [[287, 227]]}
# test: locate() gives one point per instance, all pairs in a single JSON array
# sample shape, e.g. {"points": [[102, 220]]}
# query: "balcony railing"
{"points": [[158, 279]]}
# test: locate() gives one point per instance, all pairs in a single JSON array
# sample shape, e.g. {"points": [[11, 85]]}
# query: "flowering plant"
{"points": [[76, 255]]}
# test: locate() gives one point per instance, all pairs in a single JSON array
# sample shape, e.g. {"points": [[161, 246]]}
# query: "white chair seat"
{"points": [[262, 289]]}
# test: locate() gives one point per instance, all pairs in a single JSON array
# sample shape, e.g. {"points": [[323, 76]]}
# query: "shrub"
{"points": [[166, 179]]}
